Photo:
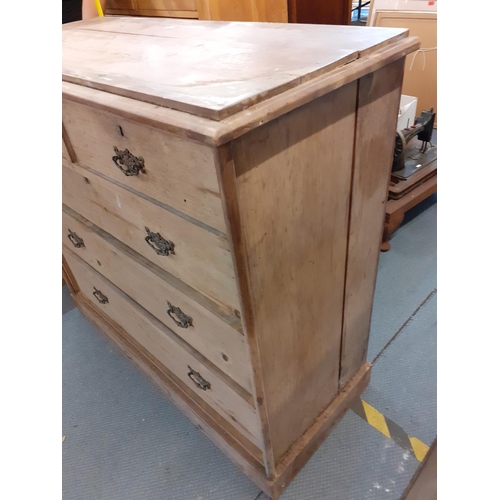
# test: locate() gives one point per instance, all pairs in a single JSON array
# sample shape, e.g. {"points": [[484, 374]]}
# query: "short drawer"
{"points": [[177, 172], [200, 258], [234, 406], [191, 316]]}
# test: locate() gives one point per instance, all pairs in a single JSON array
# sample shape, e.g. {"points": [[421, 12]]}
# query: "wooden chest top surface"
{"points": [[211, 69]]}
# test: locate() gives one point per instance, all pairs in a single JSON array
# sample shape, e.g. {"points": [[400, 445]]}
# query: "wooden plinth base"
{"points": [[213, 426], [402, 199]]}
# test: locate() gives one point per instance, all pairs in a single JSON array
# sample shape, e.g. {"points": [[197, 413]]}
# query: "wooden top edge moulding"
{"points": [[211, 69]]}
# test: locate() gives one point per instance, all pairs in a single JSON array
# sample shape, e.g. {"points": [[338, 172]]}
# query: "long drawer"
{"points": [[235, 407], [204, 327], [175, 171], [201, 259]]}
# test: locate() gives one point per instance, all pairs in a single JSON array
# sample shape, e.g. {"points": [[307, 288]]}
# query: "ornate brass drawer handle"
{"points": [[198, 380], [184, 321], [75, 239], [133, 164], [101, 298], [159, 244]]}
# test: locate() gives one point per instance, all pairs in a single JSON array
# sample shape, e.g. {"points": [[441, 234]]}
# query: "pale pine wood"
{"points": [[218, 133], [68, 278], [194, 64], [310, 441], [209, 334], [227, 180], [299, 168], [65, 153], [218, 10], [150, 333], [68, 155], [178, 173], [295, 119], [202, 259], [270, 11], [166, 8], [378, 101], [166, 4], [233, 320], [243, 453], [204, 11]]}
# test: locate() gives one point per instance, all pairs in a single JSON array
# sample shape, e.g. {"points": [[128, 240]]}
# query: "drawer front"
{"points": [[201, 259], [206, 330], [157, 340], [177, 172], [65, 153]]}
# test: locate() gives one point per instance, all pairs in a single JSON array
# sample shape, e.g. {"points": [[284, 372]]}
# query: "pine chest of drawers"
{"points": [[224, 187]]}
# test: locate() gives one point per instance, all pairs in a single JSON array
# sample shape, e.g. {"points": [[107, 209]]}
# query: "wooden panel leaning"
{"points": [[217, 10], [270, 290]]}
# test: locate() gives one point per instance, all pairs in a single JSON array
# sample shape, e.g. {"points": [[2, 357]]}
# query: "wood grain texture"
{"points": [[239, 449], [378, 101], [151, 334], [204, 11], [227, 180], [217, 133], [68, 278], [246, 456], [68, 154], [217, 10], [288, 124], [178, 172], [208, 334], [167, 8], [310, 441], [166, 4], [396, 209], [299, 168], [269, 11], [202, 259], [182, 14], [212, 69]]}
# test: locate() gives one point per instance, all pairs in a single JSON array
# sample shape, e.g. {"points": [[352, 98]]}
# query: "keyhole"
{"points": [[121, 131]]}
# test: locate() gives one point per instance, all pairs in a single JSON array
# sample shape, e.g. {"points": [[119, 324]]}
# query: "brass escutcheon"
{"points": [[198, 380], [184, 321], [133, 164]]}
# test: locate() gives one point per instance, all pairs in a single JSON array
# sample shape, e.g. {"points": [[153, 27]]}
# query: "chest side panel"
{"points": [[293, 181], [379, 96]]}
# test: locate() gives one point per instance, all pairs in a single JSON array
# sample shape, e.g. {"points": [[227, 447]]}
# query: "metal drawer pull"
{"points": [[101, 298], [198, 380], [75, 239], [184, 320], [133, 164], [163, 246]]}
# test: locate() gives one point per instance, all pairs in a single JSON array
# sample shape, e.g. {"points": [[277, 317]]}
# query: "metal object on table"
{"points": [[423, 128]]}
